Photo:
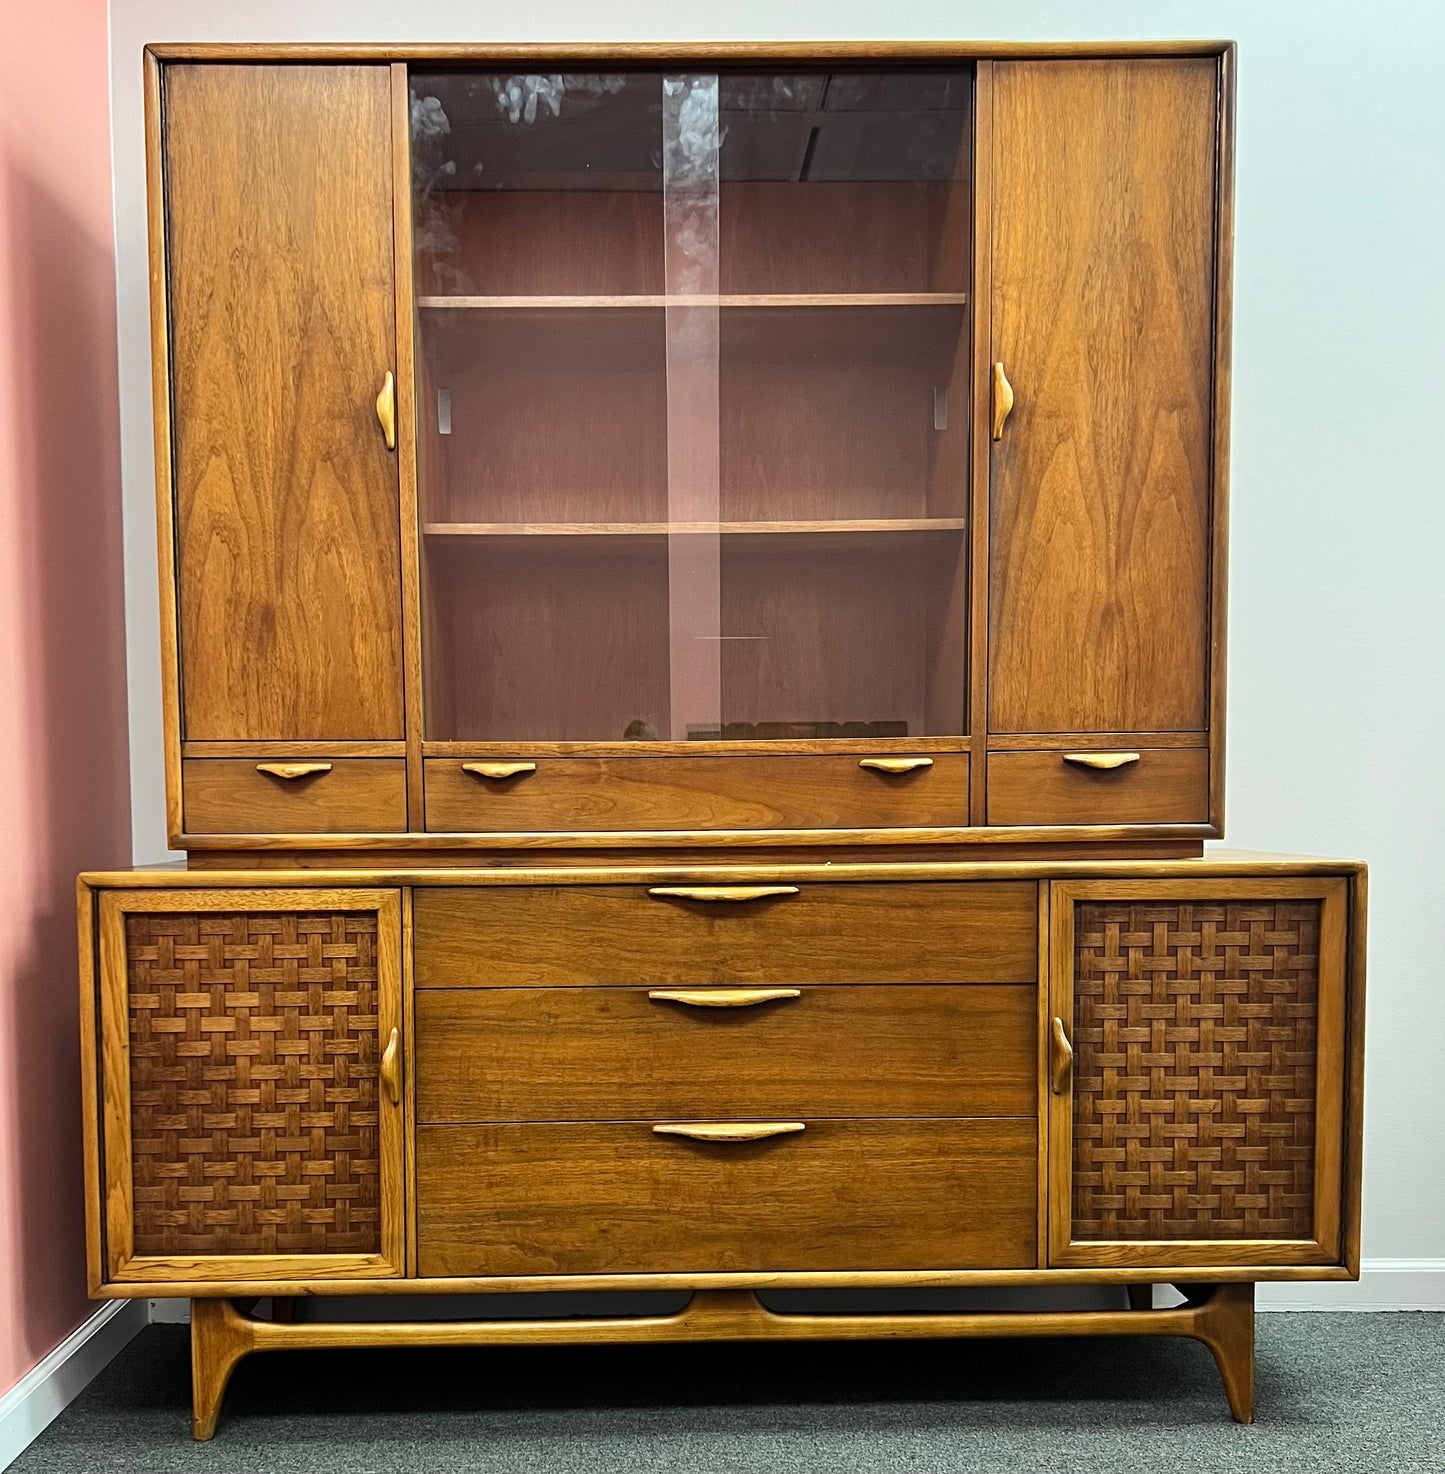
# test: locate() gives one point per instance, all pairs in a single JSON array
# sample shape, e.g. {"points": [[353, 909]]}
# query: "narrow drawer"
{"points": [[234, 796], [621, 935], [617, 1198], [809, 791], [598, 1054], [1168, 785]]}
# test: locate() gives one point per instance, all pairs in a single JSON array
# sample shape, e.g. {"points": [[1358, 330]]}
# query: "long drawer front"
{"points": [[806, 791], [576, 1054], [619, 1198], [631, 935]]}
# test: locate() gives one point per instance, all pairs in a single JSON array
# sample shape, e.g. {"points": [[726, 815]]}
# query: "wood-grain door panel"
{"points": [[1202, 1119], [615, 1198], [249, 1130], [622, 935], [577, 1054], [1103, 317], [282, 327]]}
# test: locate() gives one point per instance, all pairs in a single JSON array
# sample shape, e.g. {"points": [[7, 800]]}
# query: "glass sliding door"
{"points": [[693, 404]]}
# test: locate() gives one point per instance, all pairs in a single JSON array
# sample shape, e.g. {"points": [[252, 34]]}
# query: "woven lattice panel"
{"points": [[254, 1111], [1194, 1077]]}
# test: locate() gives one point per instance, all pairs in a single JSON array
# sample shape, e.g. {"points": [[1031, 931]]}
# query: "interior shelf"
{"points": [[725, 299], [866, 526]]}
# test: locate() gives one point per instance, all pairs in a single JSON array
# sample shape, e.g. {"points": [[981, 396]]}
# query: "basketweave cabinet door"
{"points": [[1198, 1058], [251, 1079]]}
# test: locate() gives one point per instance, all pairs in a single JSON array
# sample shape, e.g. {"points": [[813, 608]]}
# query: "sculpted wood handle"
{"points": [[895, 764], [719, 892], [1063, 1069], [499, 770], [293, 770], [391, 1067], [728, 1130], [1101, 760], [386, 410], [1003, 400], [722, 997]]}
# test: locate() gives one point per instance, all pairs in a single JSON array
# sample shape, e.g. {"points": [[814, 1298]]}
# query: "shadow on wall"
{"points": [[69, 807]]}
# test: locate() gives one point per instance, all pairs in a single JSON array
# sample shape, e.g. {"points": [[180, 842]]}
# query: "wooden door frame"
{"points": [[1336, 1048], [113, 1259]]}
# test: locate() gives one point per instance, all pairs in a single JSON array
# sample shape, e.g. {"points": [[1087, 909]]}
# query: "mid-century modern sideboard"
{"points": [[693, 592]]}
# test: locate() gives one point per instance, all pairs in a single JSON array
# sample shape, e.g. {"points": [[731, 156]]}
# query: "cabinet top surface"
{"points": [[1218, 863], [658, 51]]}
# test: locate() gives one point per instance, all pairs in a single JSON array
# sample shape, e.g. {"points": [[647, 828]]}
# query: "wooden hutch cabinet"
{"points": [[693, 627]]}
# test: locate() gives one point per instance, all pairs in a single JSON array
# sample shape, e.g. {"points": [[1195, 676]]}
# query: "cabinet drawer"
{"points": [[233, 796], [617, 1198], [1168, 785], [580, 1054], [808, 791], [621, 935]]}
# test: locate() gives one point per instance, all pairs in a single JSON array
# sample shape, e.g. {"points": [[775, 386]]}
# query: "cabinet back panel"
{"points": [[1103, 310], [279, 249]]}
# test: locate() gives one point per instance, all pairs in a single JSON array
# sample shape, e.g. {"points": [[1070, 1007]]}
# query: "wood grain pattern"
{"points": [[1205, 1119], [278, 200], [591, 1198], [1102, 312], [618, 936], [1166, 786], [802, 791], [573, 1054], [230, 795]]}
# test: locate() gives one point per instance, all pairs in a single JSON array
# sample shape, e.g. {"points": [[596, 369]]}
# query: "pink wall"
{"points": [[64, 785]]}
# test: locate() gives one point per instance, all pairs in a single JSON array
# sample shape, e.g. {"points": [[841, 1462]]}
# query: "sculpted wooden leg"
{"points": [[220, 1337], [1141, 1297], [1225, 1323]]}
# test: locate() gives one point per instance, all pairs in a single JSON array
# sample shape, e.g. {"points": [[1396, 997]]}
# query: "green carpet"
{"points": [[1335, 1393]]}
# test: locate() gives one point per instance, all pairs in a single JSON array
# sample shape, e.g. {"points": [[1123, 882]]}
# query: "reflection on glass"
{"points": [[693, 388]]}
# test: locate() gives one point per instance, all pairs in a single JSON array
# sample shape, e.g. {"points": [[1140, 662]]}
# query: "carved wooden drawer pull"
{"points": [[728, 1130], [391, 1067], [719, 892], [386, 410], [293, 770], [1063, 1059], [895, 764], [1103, 761], [499, 770], [1003, 400], [722, 997]]}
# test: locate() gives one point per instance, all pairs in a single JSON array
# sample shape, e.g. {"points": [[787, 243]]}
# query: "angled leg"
{"points": [[1225, 1323], [220, 1337]]}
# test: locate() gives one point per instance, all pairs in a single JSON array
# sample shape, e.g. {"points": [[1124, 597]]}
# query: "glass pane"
{"points": [[542, 404], [844, 402], [693, 404]]}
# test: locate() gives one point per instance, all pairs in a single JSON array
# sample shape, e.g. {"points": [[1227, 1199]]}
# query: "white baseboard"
{"points": [[1384, 1284], [44, 1392]]}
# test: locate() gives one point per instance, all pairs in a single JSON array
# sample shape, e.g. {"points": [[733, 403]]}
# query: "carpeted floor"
{"points": [[1336, 1393]]}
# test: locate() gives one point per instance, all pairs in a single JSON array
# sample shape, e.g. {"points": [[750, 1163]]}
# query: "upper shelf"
{"points": [[725, 299], [659, 529]]}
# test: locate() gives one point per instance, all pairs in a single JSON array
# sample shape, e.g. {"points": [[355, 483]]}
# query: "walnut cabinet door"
{"points": [[251, 1067], [280, 289], [1102, 321], [1199, 1055]]}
